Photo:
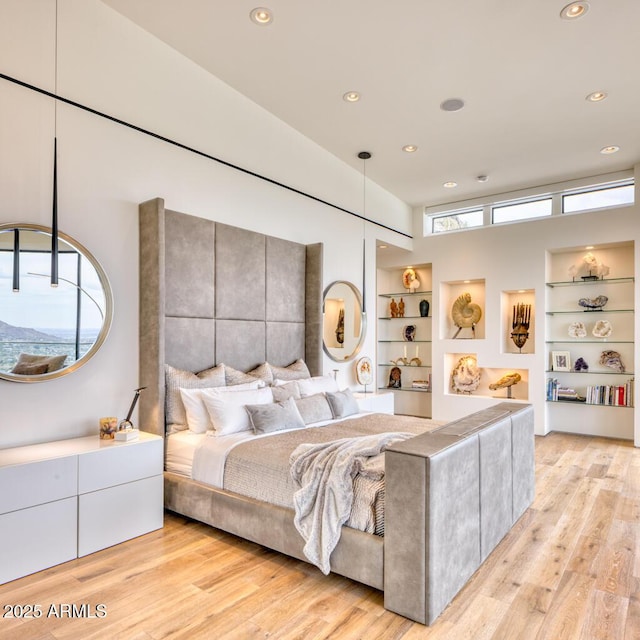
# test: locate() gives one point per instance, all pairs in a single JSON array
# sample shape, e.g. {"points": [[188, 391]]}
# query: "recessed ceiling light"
{"points": [[450, 184], [410, 148], [522, 291], [262, 16], [466, 282], [482, 178], [597, 96], [351, 96], [382, 246], [610, 149], [589, 247], [452, 104], [574, 10]]}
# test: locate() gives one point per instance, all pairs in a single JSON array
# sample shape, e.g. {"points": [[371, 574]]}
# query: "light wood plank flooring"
{"points": [[570, 568]]}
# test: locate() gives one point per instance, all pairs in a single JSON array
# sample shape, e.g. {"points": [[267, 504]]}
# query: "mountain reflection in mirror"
{"points": [[45, 328]]}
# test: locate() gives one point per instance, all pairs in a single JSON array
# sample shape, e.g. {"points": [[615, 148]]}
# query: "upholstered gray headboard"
{"points": [[212, 293]]}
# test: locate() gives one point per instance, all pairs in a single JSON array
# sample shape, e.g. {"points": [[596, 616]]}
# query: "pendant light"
{"points": [[364, 156], [16, 260], [54, 215]]}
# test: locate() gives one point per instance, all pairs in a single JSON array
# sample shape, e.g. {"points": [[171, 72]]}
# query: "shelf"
{"points": [[405, 293], [405, 366], [595, 373], [405, 389], [580, 283], [601, 341], [590, 404], [407, 341], [583, 311], [403, 317]]}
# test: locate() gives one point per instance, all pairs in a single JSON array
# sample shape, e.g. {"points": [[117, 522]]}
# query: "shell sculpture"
{"points": [[507, 380], [593, 304], [602, 329], [465, 376], [465, 314], [612, 360]]}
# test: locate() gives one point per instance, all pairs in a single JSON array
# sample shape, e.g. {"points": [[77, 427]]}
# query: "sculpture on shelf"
{"points": [[602, 329], [401, 308], [409, 332], [612, 360], [465, 377], [589, 268], [520, 324], [340, 327], [410, 280], [506, 382], [465, 314], [395, 378], [593, 304], [393, 308], [577, 330], [581, 365]]}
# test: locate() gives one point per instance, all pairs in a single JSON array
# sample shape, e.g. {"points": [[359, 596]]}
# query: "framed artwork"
{"points": [[560, 361]]}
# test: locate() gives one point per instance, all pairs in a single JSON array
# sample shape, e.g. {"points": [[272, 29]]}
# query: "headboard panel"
{"points": [[212, 293]]}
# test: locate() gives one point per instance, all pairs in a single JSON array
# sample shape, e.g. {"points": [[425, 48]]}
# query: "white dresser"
{"points": [[378, 402], [66, 499]]}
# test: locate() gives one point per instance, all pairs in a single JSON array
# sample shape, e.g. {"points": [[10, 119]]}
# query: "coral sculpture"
{"points": [[612, 360], [593, 304], [589, 268], [602, 329], [507, 380], [577, 330]]}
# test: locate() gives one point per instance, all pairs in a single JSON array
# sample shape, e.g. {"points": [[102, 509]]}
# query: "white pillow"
{"points": [[317, 384], [198, 419], [227, 409]]}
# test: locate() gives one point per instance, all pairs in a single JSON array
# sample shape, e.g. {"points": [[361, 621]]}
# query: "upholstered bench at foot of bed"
{"points": [[451, 496]]}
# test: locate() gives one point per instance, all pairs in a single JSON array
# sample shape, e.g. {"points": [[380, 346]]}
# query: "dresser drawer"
{"points": [[37, 538], [29, 484], [120, 463]]}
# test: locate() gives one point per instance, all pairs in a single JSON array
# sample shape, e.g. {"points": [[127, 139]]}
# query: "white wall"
{"points": [[105, 170], [509, 258]]}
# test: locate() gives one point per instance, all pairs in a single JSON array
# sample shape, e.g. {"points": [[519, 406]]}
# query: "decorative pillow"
{"points": [[176, 379], [53, 362], [295, 371], [30, 369], [314, 408], [227, 408], [277, 416], [342, 403], [284, 391], [317, 384], [235, 376], [198, 419], [263, 372]]}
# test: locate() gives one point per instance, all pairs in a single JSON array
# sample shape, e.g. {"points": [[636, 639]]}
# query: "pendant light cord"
{"points": [[54, 213]]}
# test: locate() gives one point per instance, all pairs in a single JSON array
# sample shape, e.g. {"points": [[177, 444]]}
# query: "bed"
{"points": [[214, 297]]}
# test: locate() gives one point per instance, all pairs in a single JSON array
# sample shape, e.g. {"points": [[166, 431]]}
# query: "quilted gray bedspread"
{"points": [[260, 468]]}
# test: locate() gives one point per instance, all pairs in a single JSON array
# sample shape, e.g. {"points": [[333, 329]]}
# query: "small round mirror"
{"points": [[344, 323], [45, 331]]}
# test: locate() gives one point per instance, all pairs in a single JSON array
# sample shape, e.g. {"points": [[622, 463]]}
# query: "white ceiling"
{"points": [[522, 71]]}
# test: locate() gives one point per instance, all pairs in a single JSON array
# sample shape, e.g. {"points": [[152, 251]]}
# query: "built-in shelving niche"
{"points": [[509, 306], [450, 292]]}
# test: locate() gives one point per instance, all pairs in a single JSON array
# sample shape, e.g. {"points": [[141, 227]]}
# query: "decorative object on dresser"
{"points": [[593, 304], [108, 428], [465, 314], [465, 377], [126, 430], [520, 324], [424, 308], [506, 382]]}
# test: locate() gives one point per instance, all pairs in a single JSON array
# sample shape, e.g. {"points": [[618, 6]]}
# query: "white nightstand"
{"points": [[69, 498], [378, 402]]}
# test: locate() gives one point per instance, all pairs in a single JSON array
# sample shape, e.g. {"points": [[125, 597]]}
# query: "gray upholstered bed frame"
{"points": [[212, 293]]}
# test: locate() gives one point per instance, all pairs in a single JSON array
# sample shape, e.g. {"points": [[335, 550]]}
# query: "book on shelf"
{"points": [[424, 384], [601, 394]]}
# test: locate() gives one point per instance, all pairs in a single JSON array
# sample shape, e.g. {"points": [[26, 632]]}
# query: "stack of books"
{"points": [[611, 395], [557, 393], [422, 384]]}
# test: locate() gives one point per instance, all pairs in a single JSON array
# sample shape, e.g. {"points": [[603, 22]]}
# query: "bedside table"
{"points": [[378, 402]]}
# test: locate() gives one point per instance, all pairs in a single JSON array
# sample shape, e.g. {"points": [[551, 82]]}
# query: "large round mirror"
{"points": [[344, 323], [47, 331]]}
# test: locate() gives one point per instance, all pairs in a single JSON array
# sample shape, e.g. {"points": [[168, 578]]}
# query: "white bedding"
{"points": [[201, 457]]}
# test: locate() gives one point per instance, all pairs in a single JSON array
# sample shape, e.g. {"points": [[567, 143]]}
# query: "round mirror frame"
{"points": [[108, 311], [363, 321]]}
